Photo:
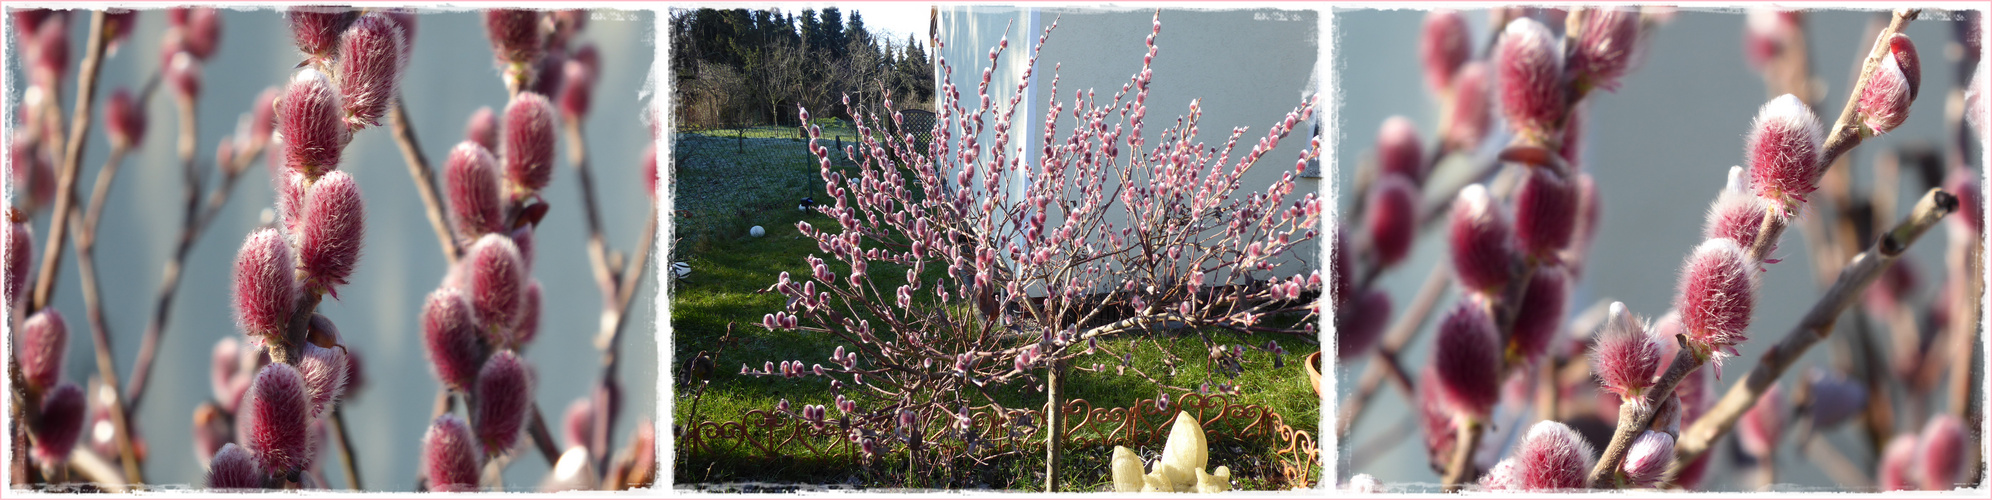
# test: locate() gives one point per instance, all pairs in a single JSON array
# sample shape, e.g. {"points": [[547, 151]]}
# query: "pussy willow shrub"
{"points": [[1001, 272], [1517, 254]]}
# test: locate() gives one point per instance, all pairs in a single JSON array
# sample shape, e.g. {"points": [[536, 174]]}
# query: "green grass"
{"points": [[832, 130], [729, 267]]}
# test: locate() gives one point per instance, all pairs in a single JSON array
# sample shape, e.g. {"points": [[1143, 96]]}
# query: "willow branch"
{"points": [[72, 161], [1964, 333], [633, 275], [191, 229], [85, 226], [84, 463], [106, 175], [1814, 326], [425, 179], [542, 439], [598, 259], [189, 143], [1401, 334], [1460, 468], [610, 340], [1836, 464], [345, 441]]}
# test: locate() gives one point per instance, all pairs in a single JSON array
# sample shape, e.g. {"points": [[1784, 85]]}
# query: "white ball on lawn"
{"points": [[757, 231]]}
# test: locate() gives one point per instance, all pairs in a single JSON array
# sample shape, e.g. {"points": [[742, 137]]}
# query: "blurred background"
{"points": [[451, 75], [1659, 148]]}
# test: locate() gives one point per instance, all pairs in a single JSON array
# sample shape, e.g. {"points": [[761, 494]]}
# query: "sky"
{"points": [[897, 18]]}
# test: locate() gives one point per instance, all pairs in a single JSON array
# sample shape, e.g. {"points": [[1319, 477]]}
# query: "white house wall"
{"points": [[1249, 66]]}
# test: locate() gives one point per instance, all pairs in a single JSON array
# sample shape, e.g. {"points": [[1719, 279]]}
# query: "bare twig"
{"points": [[1401, 334], [84, 463], [425, 179], [85, 226], [1879, 418], [72, 161], [1967, 369], [1836, 464], [290, 349], [191, 230], [633, 275], [542, 439], [1964, 331], [345, 440], [106, 175], [1362, 454], [1769, 233], [1817, 323], [618, 286], [598, 259], [189, 143], [1460, 468], [1434, 210], [190, 222], [606, 281]]}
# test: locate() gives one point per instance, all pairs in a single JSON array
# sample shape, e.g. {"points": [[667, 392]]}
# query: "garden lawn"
{"points": [[729, 267]]}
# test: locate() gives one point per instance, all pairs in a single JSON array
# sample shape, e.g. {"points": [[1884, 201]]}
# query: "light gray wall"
{"points": [[1249, 66]]}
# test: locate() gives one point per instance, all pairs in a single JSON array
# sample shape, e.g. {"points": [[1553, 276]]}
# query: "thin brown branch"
{"points": [[106, 175], [1968, 367], [1879, 419], [1768, 233], [542, 439], [189, 143], [1362, 454], [1814, 326], [1848, 130], [617, 286], [1460, 468], [1401, 334], [72, 161], [425, 179], [1960, 333], [1964, 333], [289, 350], [100, 336], [195, 225], [84, 463], [85, 227], [632, 276], [345, 440], [1435, 209], [1836, 464], [610, 339], [598, 259], [1548, 392]]}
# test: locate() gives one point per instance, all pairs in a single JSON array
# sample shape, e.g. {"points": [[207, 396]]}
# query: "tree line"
{"points": [[740, 67]]}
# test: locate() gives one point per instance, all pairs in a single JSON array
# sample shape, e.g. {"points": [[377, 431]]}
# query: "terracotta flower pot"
{"points": [[1314, 371]]}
